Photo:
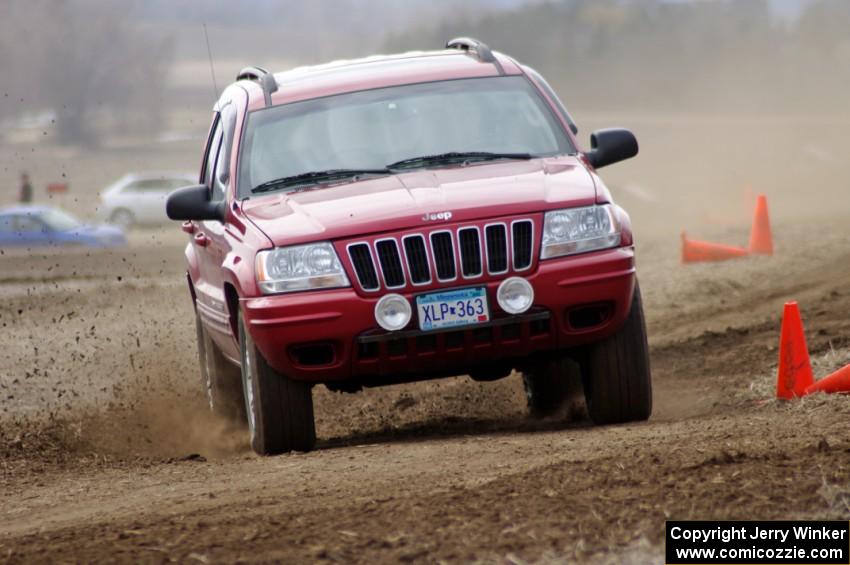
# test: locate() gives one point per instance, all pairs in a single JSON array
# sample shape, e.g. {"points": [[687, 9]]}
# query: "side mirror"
{"points": [[193, 203], [609, 146]]}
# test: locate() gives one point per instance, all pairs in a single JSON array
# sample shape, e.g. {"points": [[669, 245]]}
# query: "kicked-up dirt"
{"points": [[107, 452]]}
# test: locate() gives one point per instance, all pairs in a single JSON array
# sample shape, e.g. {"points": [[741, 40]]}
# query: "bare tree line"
{"points": [[84, 61], [97, 70], [654, 55]]}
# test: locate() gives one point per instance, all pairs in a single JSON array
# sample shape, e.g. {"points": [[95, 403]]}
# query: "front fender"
{"points": [[238, 272], [192, 262]]}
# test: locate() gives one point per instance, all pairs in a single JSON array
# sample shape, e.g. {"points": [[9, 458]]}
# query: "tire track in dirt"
{"points": [[452, 469]]}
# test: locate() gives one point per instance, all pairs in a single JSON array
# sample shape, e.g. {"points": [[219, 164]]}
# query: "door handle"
{"points": [[188, 227], [201, 239]]}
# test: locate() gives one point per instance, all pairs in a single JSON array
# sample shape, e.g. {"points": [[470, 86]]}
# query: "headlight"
{"points": [[578, 230], [301, 267]]}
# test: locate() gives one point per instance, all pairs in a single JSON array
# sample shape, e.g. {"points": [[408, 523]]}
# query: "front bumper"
{"points": [[331, 335]]}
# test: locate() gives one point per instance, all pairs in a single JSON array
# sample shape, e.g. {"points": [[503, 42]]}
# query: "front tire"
{"points": [[552, 385], [617, 378], [279, 409], [220, 379]]}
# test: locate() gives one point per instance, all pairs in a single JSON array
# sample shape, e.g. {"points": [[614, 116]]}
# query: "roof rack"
{"points": [[469, 44], [251, 73], [261, 75]]}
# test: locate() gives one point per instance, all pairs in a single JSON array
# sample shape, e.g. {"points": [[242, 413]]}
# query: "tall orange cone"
{"points": [[795, 370], [761, 239], [839, 381], [694, 251]]}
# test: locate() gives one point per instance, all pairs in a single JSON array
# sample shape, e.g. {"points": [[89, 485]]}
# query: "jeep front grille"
{"points": [[497, 248], [470, 252], [443, 255], [417, 259], [361, 259], [442, 247], [390, 260], [522, 237]]}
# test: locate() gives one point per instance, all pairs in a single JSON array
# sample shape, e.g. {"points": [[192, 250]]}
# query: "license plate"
{"points": [[452, 308]]}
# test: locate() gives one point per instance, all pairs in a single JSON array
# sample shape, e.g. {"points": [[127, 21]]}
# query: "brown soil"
{"points": [[108, 453]]}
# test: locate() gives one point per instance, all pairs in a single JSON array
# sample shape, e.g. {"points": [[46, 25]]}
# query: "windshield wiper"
{"points": [[315, 177], [456, 156]]}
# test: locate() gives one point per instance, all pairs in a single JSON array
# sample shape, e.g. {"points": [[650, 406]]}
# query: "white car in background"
{"points": [[139, 198]]}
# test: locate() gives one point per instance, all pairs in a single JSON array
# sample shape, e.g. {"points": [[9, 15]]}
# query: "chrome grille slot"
{"points": [[443, 251], [364, 267], [470, 252], [521, 232], [416, 255], [442, 255], [496, 239], [390, 261]]}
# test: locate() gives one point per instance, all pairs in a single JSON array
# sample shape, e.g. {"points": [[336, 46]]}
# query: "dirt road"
{"points": [[107, 452]]}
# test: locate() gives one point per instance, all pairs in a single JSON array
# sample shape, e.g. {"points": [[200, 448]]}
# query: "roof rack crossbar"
{"points": [[261, 75], [480, 48]]}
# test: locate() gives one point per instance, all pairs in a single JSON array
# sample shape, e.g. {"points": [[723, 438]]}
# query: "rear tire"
{"points": [[279, 409], [617, 378], [552, 385], [221, 379]]}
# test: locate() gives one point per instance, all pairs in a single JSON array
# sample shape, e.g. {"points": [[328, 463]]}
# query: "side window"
{"points": [[148, 185], [217, 185], [222, 170], [212, 152], [6, 224], [134, 186], [173, 184], [28, 224]]}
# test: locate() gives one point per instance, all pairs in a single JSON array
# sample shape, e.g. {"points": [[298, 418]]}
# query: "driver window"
{"points": [[217, 185], [212, 153], [227, 121]]}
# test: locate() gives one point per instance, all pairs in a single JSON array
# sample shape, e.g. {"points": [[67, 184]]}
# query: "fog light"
{"points": [[515, 295], [393, 312]]}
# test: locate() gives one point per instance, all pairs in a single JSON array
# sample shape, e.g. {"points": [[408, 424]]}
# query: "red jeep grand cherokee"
{"points": [[407, 217]]}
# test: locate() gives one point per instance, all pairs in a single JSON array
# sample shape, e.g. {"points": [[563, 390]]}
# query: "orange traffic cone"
{"points": [[694, 251], [839, 381], [761, 240], [795, 371]]}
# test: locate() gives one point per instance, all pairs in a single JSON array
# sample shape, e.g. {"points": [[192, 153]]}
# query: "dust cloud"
{"points": [[726, 103]]}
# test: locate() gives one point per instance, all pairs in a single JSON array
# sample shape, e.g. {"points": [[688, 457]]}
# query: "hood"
{"points": [[402, 201]]}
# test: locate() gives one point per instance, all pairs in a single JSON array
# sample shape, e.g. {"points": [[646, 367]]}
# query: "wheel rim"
{"points": [[122, 218], [248, 384]]}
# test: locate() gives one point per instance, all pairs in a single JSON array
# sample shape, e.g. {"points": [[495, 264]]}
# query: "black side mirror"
{"points": [[609, 146], [193, 203]]}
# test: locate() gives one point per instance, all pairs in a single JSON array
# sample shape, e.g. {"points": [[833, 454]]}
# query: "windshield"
{"points": [[372, 129], [58, 220]]}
